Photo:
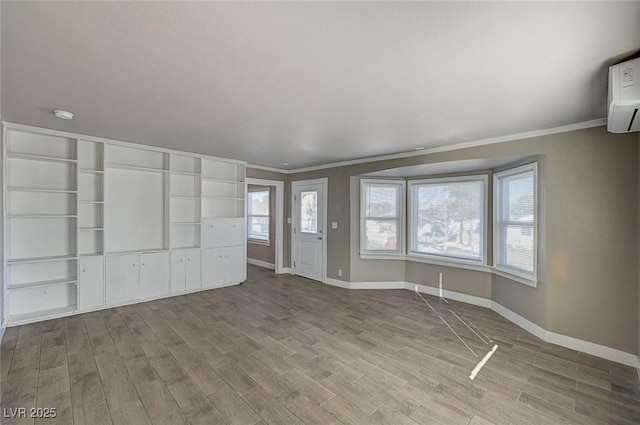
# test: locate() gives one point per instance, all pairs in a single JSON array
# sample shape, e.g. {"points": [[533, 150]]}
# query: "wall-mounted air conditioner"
{"points": [[624, 97]]}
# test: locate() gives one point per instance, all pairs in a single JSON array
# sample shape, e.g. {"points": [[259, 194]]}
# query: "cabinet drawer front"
{"points": [[28, 300]]}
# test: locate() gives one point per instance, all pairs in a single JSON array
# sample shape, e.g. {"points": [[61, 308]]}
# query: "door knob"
{"points": [[319, 239]]}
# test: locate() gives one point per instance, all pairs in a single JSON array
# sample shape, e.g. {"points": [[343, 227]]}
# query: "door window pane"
{"points": [[309, 211]]}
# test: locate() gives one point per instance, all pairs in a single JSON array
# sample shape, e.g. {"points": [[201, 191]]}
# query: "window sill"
{"points": [[375, 256], [468, 265], [515, 277], [465, 265], [259, 242]]}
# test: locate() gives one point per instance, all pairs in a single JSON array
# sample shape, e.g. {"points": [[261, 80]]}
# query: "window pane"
{"points": [[309, 212], [382, 201], [515, 221], [381, 235], [259, 202], [519, 249], [519, 192], [258, 228], [449, 219]]}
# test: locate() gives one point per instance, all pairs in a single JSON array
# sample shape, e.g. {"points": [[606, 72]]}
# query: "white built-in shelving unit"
{"points": [[93, 223]]}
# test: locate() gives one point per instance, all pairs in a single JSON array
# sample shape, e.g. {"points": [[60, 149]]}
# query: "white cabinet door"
{"points": [[154, 274], [178, 268], [91, 283], [234, 232], [212, 267], [193, 279], [234, 264], [123, 278], [219, 232]]}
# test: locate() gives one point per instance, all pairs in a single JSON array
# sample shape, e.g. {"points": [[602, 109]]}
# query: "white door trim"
{"points": [[279, 185], [324, 181]]}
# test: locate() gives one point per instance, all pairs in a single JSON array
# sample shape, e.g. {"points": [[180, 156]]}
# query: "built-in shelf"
{"points": [[90, 171], [35, 189], [192, 223], [41, 259], [185, 173], [90, 229], [41, 216], [185, 247], [41, 314], [91, 254], [232, 198], [41, 158], [136, 168], [195, 198], [41, 283], [92, 202], [138, 251], [213, 179]]}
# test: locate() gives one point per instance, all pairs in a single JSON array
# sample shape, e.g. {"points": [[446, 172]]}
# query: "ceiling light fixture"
{"points": [[285, 163], [65, 115], [419, 148]]}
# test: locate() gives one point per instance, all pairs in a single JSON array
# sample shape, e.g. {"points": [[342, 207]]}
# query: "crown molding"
{"points": [[493, 140]]}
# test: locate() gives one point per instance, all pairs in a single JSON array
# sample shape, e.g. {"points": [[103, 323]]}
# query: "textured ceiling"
{"points": [[310, 83]]}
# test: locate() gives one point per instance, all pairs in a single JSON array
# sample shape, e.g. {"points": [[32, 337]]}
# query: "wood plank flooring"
{"points": [[286, 350]]}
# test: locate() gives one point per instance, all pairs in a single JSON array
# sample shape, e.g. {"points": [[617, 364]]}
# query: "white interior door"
{"points": [[308, 231]]}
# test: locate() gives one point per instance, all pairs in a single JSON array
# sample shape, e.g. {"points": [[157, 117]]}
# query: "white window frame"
{"points": [[401, 226], [267, 241], [444, 259], [499, 268]]}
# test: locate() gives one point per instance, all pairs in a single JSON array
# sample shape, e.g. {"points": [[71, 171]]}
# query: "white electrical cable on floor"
{"points": [[486, 358]]}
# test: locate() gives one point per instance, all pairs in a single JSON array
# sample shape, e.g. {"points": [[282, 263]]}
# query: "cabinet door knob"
{"points": [[143, 264], [181, 260], [188, 259], [84, 270]]}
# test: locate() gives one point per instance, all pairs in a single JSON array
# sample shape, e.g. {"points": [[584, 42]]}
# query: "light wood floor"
{"points": [[286, 350]]}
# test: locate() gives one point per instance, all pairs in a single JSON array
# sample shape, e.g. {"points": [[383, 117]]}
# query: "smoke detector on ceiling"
{"points": [[65, 115]]}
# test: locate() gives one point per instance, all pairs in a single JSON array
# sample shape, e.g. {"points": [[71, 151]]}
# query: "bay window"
{"points": [[382, 217], [448, 218], [515, 205]]}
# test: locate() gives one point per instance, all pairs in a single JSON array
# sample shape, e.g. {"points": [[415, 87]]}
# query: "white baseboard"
{"points": [[519, 320], [587, 347], [597, 350], [377, 285], [260, 263], [286, 270], [452, 295], [3, 326], [338, 283]]}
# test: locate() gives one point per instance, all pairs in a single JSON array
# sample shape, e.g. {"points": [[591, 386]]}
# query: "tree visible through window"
{"points": [[258, 215], [448, 218]]}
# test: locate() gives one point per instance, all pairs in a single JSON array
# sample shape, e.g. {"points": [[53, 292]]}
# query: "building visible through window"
{"points": [[258, 215]]}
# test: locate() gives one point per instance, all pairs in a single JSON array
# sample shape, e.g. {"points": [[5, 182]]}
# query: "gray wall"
{"points": [[257, 251], [589, 287]]}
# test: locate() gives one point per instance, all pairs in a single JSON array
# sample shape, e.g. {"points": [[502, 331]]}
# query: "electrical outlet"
{"points": [[340, 272], [334, 224]]}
